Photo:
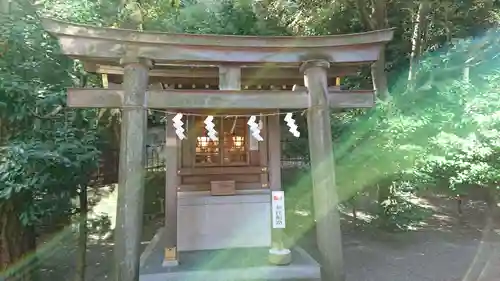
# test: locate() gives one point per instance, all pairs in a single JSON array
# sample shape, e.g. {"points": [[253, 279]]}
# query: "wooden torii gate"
{"points": [[141, 57]]}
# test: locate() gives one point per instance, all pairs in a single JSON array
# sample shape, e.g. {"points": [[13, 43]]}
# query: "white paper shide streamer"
{"points": [[254, 128], [210, 126], [179, 131], [290, 122]]}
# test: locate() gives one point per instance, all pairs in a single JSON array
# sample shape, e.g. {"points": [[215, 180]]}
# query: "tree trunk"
{"points": [[383, 194], [379, 77], [16, 243], [492, 203], [82, 236], [375, 20], [425, 34], [417, 41], [379, 20], [2, 135]]}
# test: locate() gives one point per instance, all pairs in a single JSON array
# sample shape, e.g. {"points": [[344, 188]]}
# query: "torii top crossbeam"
{"points": [[263, 62], [109, 45]]}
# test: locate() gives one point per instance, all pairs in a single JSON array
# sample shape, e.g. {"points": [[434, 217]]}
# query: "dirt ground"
{"points": [[443, 249]]}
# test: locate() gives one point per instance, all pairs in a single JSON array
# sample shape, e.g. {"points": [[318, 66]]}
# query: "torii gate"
{"points": [[142, 57]]}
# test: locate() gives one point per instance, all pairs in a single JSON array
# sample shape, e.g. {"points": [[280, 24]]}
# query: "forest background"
{"points": [[435, 128]]}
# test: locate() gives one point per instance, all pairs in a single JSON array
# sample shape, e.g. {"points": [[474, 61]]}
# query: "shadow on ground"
{"points": [[442, 248]]}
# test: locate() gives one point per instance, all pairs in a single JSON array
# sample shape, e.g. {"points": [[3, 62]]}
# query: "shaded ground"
{"points": [[442, 250]]}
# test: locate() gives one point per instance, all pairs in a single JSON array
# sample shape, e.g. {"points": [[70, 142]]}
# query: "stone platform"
{"points": [[229, 265]]}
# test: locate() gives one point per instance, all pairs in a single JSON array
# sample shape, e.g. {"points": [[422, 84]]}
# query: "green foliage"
{"points": [[398, 212], [100, 13], [299, 203], [48, 151], [99, 227], [201, 17], [443, 133], [154, 194]]}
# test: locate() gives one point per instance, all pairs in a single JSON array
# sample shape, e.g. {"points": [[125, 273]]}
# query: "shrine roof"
{"points": [[105, 46]]}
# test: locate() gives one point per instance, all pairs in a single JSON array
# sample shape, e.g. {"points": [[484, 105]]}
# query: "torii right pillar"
{"points": [[325, 196]]}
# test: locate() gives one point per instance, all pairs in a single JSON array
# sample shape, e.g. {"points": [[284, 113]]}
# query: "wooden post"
{"points": [[171, 186], [263, 152], [131, 170], [229, 77], [323, 171], [278, 254]]}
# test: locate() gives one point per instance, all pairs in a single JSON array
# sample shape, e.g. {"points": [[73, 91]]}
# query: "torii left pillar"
{"points": [[131, 171]]}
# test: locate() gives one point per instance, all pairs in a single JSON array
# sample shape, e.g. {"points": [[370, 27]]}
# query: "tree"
{"points": [[417, 39], [376, 20], [47, 150]]}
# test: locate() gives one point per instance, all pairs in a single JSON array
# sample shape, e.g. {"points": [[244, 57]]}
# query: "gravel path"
{"points": [[443, 251], [424, 257]]}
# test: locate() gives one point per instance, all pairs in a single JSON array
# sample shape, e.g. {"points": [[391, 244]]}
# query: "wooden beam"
{"points": [[323, 173], [213, 83], [90, 42], [205, 171], [345, 99], [206, 186], [59, 27], [247, 73], [82, 48], [229, 77], [229, 99]]}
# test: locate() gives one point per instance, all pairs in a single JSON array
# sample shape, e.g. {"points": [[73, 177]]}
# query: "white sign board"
{"points": [[278, 209]]}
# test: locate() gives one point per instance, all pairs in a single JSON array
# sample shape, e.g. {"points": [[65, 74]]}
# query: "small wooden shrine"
{"points": [[230, 79]]}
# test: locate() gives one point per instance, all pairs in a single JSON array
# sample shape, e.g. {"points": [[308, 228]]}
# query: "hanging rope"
{"points": [[301, 112]]}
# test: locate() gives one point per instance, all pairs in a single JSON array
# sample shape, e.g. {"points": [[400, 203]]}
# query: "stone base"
{"points": [[207, 222], [242, 264], [280, 256], [170, 263]]}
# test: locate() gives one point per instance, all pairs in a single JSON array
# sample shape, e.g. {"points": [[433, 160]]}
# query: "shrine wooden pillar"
{"points": [[131, 173], [172, 181], [323, 171], [278, 254]]}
